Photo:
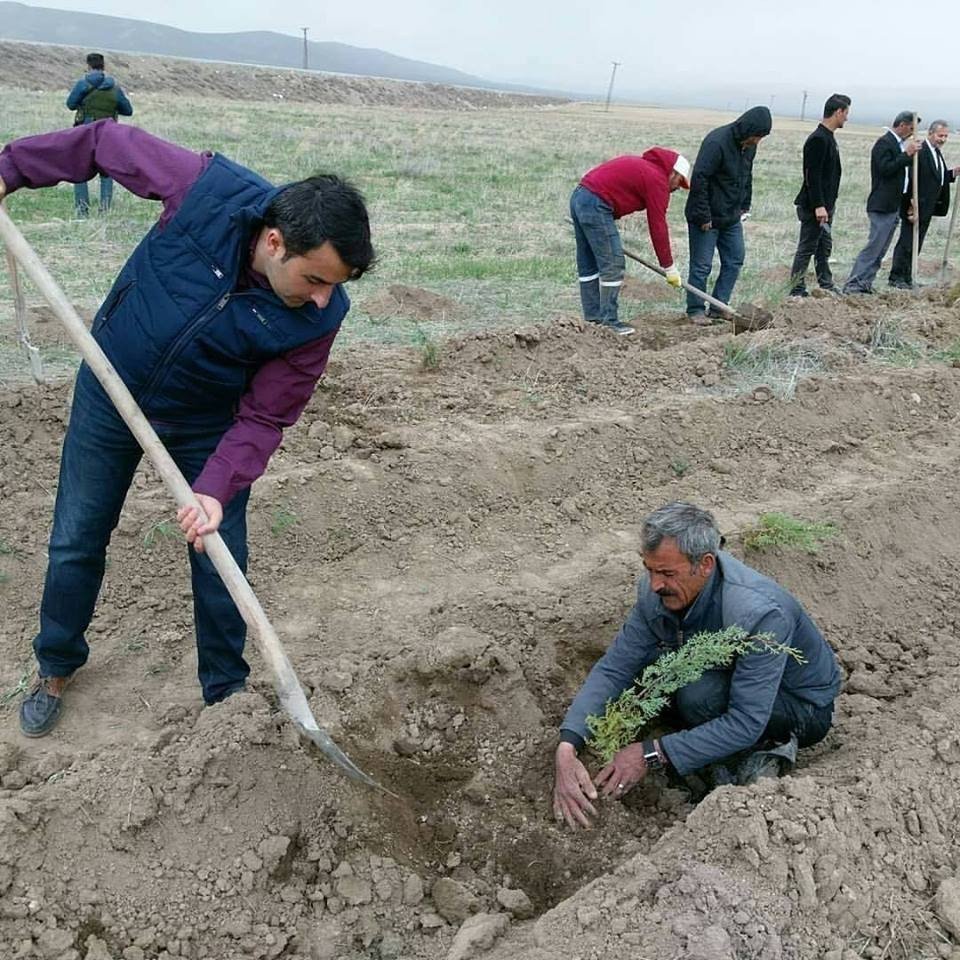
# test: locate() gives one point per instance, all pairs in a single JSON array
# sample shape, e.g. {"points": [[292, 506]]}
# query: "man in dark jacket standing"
{"points": [[818, 197], [96, 96], [606, 193], [765, 704], [889, 178], [933, 192], [721, 190], [220, 324]]}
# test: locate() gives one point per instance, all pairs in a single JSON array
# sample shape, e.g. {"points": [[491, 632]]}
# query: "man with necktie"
{"points": [[933, 189]]}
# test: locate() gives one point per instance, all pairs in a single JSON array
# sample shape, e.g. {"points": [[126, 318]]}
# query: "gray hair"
{"points": [[938, 125], [905, 116], [694, 530]]}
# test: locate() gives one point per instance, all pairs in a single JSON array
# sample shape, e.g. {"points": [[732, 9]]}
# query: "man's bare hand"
{"points": [[3, 189], [821, 214], [623, 772], [196, 527], [911, 147], [706, 227], [572, 789]]}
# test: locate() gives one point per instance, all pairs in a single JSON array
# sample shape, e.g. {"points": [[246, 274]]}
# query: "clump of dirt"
{"points": [[411, 303], [444, 555]]}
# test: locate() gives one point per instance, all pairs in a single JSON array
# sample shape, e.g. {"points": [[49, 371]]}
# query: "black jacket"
{"points": [[934, 197], [887, 165], [821, 172], [721, 185]]}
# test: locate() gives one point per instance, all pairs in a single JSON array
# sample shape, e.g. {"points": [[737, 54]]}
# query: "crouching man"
{"points": [[762, 706]]}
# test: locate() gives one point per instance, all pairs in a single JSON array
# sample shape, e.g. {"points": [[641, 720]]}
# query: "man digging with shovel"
{"points": [[606, 193], [220, 324]]}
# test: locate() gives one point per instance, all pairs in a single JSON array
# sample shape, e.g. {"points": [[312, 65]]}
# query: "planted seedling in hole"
{"points": [[625, 719]]}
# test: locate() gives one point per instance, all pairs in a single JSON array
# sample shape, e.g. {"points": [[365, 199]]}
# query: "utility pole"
{"points": [[803, 107], [773, 97], [306, 57], [613, 73]]}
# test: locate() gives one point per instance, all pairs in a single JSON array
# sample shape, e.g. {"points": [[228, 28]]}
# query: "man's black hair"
{"points": [[95, 61], [835, 102], [321, 209]]}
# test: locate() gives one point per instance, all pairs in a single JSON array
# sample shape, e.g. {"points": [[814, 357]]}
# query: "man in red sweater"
{"points": [[607, 193]]}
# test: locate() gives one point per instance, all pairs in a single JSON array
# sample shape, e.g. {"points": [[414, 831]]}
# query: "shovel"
{"points": [[292, 698], [748, 317]]}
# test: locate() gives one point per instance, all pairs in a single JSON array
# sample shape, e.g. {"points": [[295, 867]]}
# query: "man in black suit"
{"points": [[933, 193], [889, 159], [818, 196]]}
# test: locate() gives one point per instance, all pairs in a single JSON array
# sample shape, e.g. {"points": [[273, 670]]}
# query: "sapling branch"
{"points": [[625, 718]]}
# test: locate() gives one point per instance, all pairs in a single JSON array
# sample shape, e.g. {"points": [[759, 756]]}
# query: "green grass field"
{"points": [[469, 205]]}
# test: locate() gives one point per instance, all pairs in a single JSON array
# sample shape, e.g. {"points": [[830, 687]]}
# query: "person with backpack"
{"points": [[96, 96]]}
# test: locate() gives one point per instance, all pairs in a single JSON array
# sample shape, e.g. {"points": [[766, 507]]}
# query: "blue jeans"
{"points": [[708, 698], [81, 196], [728, 242], [97, 465], [600, 262]]}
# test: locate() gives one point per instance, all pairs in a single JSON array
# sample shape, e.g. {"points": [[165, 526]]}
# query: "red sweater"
{"points": [[632, 183]]}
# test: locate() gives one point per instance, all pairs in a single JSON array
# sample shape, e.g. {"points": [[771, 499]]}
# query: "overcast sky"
{"points": [[844, 45]]}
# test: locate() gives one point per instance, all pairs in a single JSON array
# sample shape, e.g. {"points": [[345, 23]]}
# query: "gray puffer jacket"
{"points": [[735, 594]]}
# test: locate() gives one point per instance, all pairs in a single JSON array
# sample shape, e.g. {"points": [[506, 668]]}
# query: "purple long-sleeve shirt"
{"points": [[157, 170]]}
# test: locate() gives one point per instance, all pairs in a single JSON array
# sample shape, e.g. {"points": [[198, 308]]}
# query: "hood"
{"points": [[99, 80], [661, 157], [756, 122]]}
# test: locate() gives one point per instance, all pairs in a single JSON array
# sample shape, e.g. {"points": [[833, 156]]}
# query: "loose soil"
{"points": [[444, 554]]}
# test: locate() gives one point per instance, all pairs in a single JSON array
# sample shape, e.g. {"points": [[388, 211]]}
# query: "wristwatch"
{"points": [[652, 756]]}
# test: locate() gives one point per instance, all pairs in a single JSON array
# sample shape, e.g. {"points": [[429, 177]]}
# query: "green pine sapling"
{"points": [[626, 717]]}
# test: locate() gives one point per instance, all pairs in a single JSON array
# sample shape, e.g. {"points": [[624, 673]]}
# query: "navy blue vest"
{"points": [[182, 337]]}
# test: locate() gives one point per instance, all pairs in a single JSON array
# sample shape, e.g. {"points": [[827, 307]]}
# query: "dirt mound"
{"points": [[444, 553], [411, 303], [34, 66]]}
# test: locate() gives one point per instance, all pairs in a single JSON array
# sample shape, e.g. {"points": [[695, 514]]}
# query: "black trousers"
{"points": [[901, 270], [817, 242]]}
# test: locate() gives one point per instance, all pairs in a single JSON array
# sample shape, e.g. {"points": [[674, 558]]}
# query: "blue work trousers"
{"points": [[81, 196], [97, 466], [600, 262]]}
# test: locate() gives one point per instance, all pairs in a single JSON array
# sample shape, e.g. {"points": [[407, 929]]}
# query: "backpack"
{"points": [[97, 105]]}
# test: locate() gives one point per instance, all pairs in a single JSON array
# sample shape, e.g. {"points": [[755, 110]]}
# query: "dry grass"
{"points": [[470, 205]]}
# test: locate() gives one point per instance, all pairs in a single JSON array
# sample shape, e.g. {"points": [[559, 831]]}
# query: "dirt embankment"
{"points": [[48, 67], [445, 553]]}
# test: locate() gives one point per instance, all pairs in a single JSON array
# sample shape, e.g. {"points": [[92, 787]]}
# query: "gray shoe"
{"points": [[621, 329], [773, 761], [41, 707]]}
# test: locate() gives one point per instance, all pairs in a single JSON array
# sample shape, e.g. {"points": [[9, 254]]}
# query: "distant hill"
{"points": [[49, 66], [47, 25]]}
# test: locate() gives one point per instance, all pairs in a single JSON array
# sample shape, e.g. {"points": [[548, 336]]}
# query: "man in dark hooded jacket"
{"points": [[721, 189], [96, 96]]}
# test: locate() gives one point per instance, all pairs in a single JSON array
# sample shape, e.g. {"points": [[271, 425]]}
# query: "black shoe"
{"points": [[42, 706], [900, 284], [798, 293]]}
